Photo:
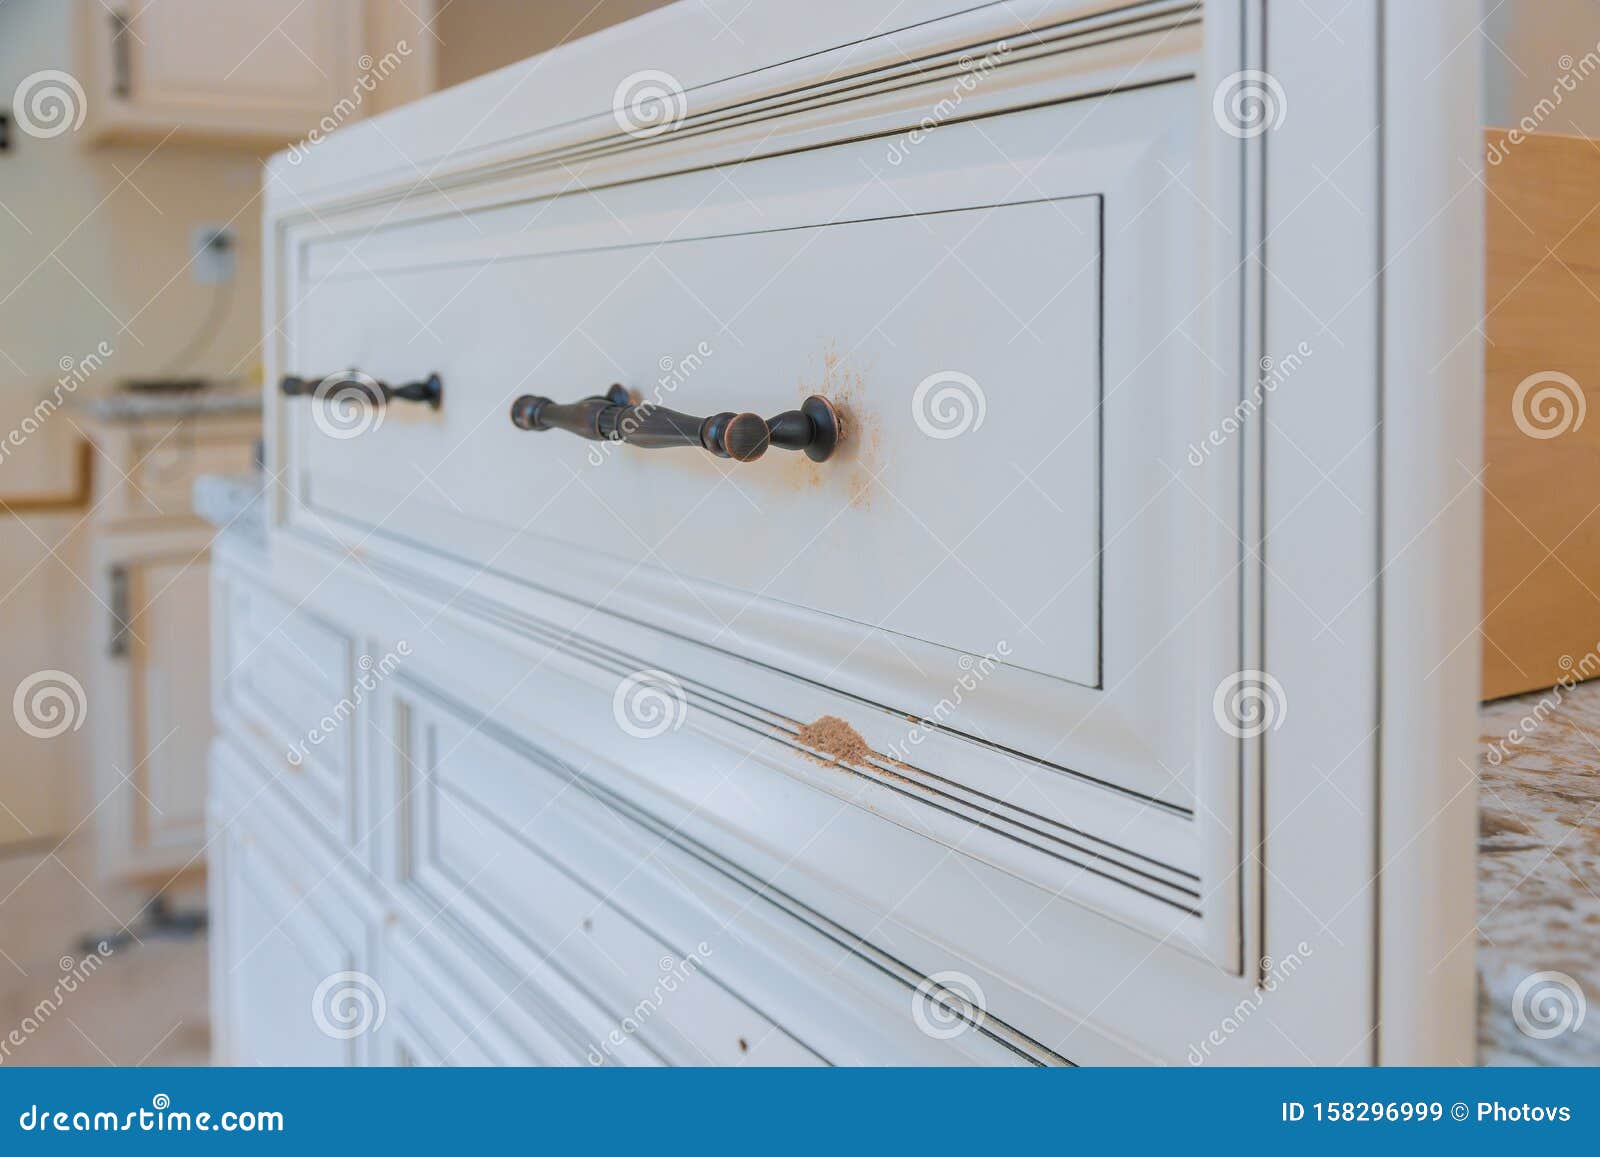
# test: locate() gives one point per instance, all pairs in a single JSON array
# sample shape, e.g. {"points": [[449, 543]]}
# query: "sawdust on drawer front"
{"points": [[831, 735], [856, 462]]}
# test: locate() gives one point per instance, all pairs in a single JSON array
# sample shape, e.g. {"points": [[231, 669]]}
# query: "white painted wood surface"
{"points": [[1087, 849], [149, 678]]}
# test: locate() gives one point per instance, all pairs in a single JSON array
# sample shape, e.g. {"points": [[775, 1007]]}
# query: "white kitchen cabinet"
{"points": [[149, 681], [261, 74], [1099, 776]]}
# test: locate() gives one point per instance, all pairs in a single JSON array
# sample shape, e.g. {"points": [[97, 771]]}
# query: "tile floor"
{"points": [[143, 1003]]}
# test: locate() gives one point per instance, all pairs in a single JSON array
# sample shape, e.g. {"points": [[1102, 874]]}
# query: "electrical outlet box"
{"points": [[211, 248]]}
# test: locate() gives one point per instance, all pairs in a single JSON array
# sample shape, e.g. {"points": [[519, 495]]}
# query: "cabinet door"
{"points": [[289, 963], [152, 694], [267, 71], [278, 954]]}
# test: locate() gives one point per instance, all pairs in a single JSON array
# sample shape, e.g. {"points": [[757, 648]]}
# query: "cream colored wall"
{"points": [[478, 36], [1535, 52], [97, 240], [94, 243]]}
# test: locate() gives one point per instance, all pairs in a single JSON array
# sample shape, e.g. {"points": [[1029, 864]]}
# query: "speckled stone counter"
{"points": [[139, 406], [1539, 879]]}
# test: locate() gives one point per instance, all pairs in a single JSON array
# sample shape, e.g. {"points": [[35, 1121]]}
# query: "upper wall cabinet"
{"points": [[267, 74]]}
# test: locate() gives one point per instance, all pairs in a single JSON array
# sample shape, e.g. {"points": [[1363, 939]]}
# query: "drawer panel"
{"points": [[709, 963], [1009, 357], [422, 1030], [634, 994], [290, 951], [755, 321], [290, 681], [436, 1019]]}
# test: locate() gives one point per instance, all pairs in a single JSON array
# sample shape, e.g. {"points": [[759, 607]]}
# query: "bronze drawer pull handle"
{"points": [[430, 390], [611, 417]]}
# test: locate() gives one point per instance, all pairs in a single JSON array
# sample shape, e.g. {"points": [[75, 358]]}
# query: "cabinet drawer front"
{"points": [[293, 684], [1009, 358], [633, 993], [844, 308]]}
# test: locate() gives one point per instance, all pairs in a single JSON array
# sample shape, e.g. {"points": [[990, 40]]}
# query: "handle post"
{"points": [[118, 647]]}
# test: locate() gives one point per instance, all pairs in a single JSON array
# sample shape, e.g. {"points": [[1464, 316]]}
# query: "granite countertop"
{"points": [[233, 502], [1539, 878], [135, 406]]}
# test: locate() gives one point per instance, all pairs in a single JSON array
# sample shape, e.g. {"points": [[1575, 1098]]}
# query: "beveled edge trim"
{"points": [[1157, 879], [746, 101]]}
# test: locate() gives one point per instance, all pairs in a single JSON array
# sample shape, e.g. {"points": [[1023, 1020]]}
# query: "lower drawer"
{"points": [[634, 993], [291, 686], [435, 1017], [291, 966]]}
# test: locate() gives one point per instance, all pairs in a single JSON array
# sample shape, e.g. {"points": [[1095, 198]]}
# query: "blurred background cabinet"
{"points": [[149, 678], [260, 75]]}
